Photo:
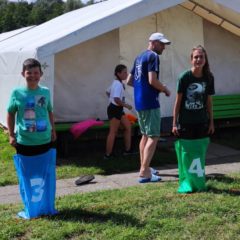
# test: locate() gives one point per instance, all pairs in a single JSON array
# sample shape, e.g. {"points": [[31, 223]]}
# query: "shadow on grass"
{"points": [[91, 155], [75, 215], [223, 179], [232, 192]]}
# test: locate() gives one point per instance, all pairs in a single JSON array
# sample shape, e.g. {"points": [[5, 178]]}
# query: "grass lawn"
{"points": [[85, 158], [147, 212]]}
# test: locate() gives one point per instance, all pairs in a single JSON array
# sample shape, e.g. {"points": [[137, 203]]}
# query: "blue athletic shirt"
{"points": [[145, 96]]}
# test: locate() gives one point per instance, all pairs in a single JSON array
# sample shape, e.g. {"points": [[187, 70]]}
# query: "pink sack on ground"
{"points": [[79, 128]]}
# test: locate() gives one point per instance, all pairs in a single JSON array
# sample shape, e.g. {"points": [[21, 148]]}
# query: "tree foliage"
{"points": [[14, 15], [73, 5]]}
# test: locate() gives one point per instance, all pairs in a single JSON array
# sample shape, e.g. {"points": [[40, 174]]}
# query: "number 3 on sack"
{"points": [[196, 168], [37, 185]]}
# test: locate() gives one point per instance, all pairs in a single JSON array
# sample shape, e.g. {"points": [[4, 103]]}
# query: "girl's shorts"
{"points": [[114, 111]]}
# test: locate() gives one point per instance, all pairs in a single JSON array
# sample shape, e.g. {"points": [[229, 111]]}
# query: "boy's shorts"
{"points": [[27, 150], [150, 122], [114, 111]]}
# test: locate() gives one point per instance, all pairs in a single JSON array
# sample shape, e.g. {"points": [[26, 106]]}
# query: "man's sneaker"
{"points": [[130, 152]]}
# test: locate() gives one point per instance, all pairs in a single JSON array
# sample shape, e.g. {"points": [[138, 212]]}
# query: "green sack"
{"points": [[191, 156]]}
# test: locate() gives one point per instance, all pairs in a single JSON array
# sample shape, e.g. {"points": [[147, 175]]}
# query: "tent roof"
{"points": [[86, 23], [81, 25], [6, 35], [223, 13]]}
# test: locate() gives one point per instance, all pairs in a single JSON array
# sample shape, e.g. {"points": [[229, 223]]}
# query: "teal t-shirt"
{"points": [[195, 91], [32, 109]]}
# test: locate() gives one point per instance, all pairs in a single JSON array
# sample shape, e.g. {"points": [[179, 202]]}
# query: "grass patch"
{"points": [[150, 211], [7, 173], [85, 158]]}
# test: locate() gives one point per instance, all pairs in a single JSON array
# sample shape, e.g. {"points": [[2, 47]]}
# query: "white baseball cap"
{"points": [[159, 37]]}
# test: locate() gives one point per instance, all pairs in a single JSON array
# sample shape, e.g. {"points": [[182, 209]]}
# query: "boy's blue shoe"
{"points": [[154, 178]]}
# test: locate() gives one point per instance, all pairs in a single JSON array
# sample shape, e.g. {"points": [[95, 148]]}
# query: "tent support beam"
{"points": [[209, 15]]}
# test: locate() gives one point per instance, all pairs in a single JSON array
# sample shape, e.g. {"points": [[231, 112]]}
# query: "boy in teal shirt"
{"points": [[31, 107]]}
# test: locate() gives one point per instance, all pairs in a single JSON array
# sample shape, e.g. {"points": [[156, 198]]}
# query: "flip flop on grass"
{"points": [[84, 179]]}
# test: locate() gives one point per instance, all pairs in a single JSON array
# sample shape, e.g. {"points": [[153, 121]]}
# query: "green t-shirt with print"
{"points": [[195, 91], [32, 109]]}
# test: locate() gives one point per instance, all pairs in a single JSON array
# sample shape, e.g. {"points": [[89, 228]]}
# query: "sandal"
{"points": [[154, 178], [154, 171], [84, 179]]}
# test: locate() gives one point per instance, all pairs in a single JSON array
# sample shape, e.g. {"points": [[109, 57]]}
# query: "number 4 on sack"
{"points": [[196, 168]]}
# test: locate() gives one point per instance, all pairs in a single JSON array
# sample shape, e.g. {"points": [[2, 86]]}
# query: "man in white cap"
{"points": [[144, 79]]}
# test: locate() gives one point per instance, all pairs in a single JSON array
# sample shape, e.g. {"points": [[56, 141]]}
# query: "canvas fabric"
{"points": [[191, 155], [37, 183]]}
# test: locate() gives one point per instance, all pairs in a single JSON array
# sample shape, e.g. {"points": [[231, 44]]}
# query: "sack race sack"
{"points": [[37, 183], [191, 155]]}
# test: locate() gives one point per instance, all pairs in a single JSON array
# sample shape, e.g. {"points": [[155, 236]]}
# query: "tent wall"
{"points": [[182, 27], [224, 56], [47, 78], [76, 77], [82, 75], [185, 30], [79, 75], [10, 77]]}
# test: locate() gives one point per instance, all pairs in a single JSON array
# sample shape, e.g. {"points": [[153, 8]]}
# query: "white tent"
{"points": [[80, 49], [4, 36]]}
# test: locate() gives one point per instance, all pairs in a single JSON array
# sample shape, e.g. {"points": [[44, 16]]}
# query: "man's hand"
{"points": [[166, 91]]}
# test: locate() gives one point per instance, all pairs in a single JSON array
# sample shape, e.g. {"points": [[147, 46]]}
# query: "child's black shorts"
{"points": [[193, 131], [114, 111], [33, 150]]}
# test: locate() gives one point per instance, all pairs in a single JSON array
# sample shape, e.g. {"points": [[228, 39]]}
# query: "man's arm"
{"points": [[153, 81], [130, 80]]}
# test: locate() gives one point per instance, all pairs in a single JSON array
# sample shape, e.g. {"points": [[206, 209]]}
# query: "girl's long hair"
{"points": [[206, 68]]}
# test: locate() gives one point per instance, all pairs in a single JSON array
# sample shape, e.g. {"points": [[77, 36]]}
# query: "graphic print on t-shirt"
{"points": [[195, 96], [41, 101], [32, 123], [138, 71]]}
